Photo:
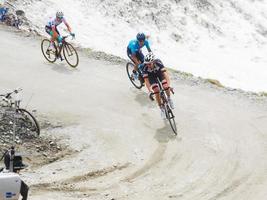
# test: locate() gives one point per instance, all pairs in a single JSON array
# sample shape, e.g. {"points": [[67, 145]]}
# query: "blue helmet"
{"points": [[140, 36]]}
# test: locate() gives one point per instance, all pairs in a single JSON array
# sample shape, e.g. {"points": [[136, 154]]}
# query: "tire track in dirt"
{"points": [[69, 184], [156, 157]]}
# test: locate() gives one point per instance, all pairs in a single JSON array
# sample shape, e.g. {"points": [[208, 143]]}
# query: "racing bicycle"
{"points": [[168, 111], [69, 52]]}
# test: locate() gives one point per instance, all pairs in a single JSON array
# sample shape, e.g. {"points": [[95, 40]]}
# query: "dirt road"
{"points": [[124, 149]]}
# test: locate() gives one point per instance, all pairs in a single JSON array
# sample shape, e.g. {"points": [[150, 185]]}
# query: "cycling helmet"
{"points": [[60, 14], [140, 36], [149, 57]]}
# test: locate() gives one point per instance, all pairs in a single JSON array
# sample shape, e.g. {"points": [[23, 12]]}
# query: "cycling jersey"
{"points": [[158, 66], [153, 73], [134, 46], [56, 21]]}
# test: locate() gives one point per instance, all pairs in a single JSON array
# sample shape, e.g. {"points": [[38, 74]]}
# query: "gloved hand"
{"points": [[150, 95], [72, 35]]}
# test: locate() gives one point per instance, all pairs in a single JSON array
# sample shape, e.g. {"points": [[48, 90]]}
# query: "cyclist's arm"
{"points": [[147, 46], [67, 25]]}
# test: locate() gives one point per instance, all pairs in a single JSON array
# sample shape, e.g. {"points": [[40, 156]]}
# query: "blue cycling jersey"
{"points": [[135, 47]]}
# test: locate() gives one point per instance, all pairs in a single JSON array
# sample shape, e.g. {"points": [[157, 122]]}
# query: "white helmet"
{"points": [[60, 14], [149, 57]]}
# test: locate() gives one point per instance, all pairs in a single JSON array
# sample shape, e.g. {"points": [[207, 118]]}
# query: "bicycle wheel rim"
{"points": [[49, 56], [171, 119], [68, 52], [129, 70], [34, 126]]}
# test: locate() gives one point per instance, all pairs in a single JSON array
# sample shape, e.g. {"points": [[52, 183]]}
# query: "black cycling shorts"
{"points": [[48, 29], [139, 55], [152, 77]]}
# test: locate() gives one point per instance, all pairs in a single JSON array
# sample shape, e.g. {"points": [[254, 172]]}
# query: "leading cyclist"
{"points": [[154, 68]]}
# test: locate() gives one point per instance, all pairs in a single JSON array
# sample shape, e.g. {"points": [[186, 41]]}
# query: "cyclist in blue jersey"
{"points": [[134, 50]]}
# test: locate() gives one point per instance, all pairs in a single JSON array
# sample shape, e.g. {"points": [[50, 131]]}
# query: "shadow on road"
{"points": [[165, 134], [62, 68], [142, 98]]}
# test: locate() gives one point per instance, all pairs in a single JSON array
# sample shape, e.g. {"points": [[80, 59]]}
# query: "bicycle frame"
{"points": [[59, 48], [169, 114], [162, 92]]}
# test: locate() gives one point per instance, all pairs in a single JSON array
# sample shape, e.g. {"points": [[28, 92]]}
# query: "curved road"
{"points": [[124, 150]]}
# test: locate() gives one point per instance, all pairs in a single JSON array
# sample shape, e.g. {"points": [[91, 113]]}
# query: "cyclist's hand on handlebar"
{"points": [[150, 95], [172, 90], [72, 35]]}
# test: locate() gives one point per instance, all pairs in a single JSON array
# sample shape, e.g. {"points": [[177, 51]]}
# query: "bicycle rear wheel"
{"points": [[49, 55], [71, 55], [171, 118], [27, 124], [136, 82]]}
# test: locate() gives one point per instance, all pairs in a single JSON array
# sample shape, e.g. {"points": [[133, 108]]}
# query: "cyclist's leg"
{"points": [[129, 54], [156, 90], [48, 30], [166, 88], [164, 83], [140, 56], [154, 85]]}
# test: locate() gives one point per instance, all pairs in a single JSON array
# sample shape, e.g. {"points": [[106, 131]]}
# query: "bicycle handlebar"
{"points": [[66, 36], [7, 95]]}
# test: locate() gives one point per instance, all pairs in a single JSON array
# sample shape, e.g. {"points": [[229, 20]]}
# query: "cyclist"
{"points": [[134, 51], [154, 68], [51, 29]]}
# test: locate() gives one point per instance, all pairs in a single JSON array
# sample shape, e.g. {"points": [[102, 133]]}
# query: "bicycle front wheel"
{"points": [[49, 55], [27, 124], [171, 118], [136, 82], [71, 55]]}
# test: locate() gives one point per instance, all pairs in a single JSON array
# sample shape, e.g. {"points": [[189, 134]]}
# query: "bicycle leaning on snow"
{"points": [[14, 119], [69, 52]]}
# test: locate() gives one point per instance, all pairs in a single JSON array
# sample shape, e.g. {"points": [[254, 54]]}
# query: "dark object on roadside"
{"points": [[20, 13], [17, 162], [11, 159], [3, 12], [11, 19]]}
